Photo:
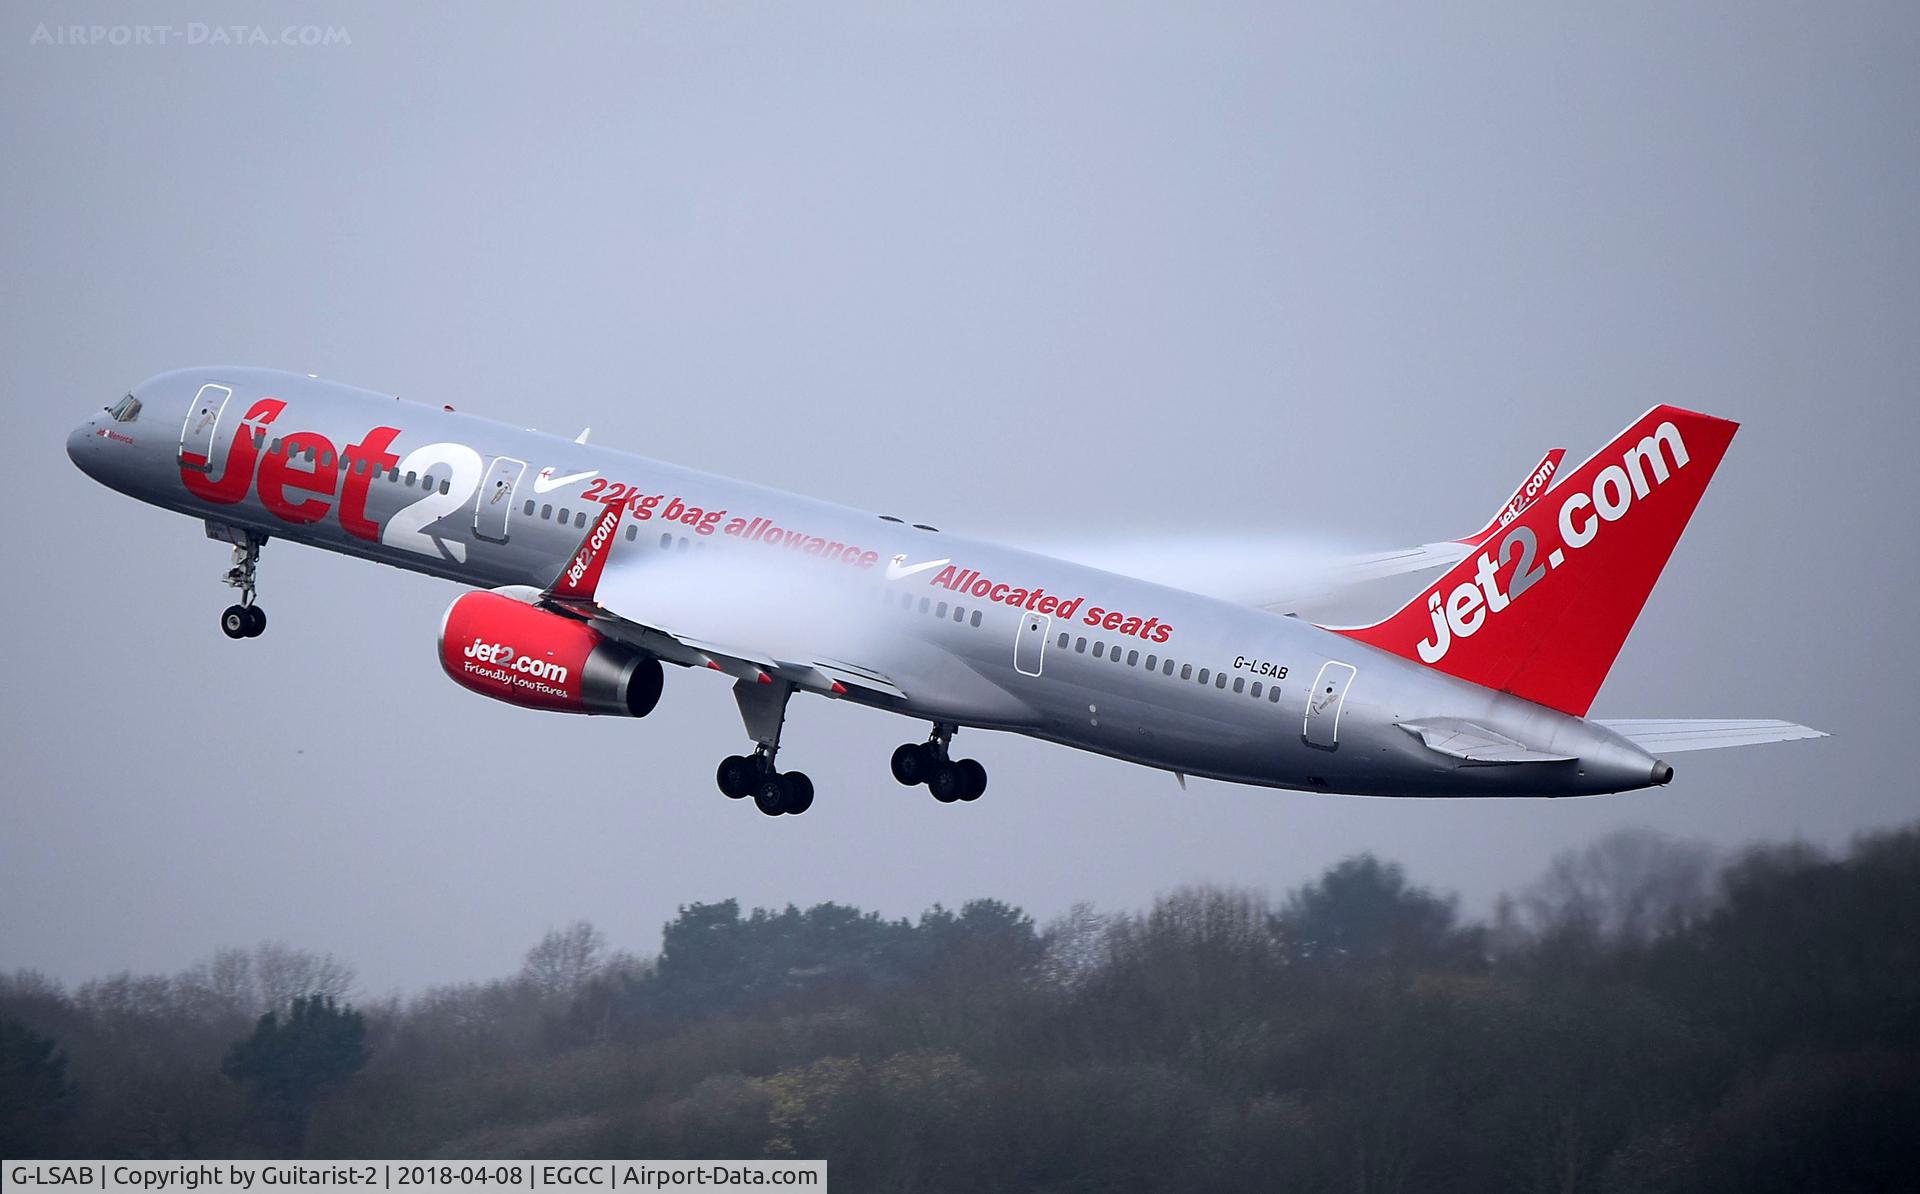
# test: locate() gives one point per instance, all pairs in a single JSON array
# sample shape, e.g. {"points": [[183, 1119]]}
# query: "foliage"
{"points": [[1646, 1017]]}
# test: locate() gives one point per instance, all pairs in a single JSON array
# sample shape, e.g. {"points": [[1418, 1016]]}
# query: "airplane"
{"points": [[591, 570]]}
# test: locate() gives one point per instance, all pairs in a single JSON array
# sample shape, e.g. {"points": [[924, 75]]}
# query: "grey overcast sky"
{"points": [[1034, 271]]}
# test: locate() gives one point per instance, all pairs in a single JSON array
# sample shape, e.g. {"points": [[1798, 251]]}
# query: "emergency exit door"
{"points": [[1030, 643], [1324, 701]]}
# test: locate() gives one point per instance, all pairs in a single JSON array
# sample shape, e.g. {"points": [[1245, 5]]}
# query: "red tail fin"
{"points": [[1543, 611]]}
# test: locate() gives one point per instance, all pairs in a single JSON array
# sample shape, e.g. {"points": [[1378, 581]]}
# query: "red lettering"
{"points": [[241, 455], [1093, 617], [1111, 621], [1163, 634], [1047, 605], [277, 476], [372, 448]]}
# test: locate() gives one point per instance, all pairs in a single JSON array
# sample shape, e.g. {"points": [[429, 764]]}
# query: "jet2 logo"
{"points": [[502, 655], [300, 483], [1645, 467]]}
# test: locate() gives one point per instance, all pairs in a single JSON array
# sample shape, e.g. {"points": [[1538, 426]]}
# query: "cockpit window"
{"points": [[126, 410]]}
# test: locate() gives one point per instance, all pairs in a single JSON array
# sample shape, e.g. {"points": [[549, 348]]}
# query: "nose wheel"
{"points": [[244, 620], [928, 763]]}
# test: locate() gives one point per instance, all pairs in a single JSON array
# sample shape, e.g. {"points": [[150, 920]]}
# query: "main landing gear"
{"points": [[245, 620], [927, 763], [763, 708]]}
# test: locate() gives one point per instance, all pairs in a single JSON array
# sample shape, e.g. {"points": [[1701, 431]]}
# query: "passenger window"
{"points": [[1256, 690], [360, 465], [906, 602], [579, 520], [1203, 677], [393, 474], [959, 615], [1153, 663], [1099, 650], [1273, 694], [273, 449], [1186, 671], [530, 510], [632, 532], [259, 440], [1220, 680], [308, 455], [1169, 667], [925, 605], [1133, 657], [445, 484], [681, 545], [546, 511], [326, 460], [666, 541], [975, 620], [940, 611], [1080, 645], [563, 516], [1065, 638], [411, 478], [1239, 683]]}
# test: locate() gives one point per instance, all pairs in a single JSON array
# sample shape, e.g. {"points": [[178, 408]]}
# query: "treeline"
{"points": [[1645, 1017]]}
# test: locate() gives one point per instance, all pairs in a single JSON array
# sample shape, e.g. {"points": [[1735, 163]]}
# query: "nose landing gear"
{"points": [[927, 763], [244, 620]]}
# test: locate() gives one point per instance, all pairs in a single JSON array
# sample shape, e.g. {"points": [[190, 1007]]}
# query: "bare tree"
{"points": [[250, 982], [565, 959], [1631, 886]]}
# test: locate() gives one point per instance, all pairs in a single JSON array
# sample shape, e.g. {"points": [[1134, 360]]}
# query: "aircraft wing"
{"points": [[621, 605], [1352, 572], [1674, 735], [1283, 577]]}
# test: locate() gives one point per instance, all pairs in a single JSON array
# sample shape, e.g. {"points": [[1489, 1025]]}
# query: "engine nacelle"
{"points": [[524, 655]]}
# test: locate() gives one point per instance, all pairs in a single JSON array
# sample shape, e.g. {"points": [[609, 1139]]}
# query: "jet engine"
{"points": [[523, 655]]}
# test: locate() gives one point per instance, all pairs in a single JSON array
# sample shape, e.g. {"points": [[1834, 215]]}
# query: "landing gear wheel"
{"points": [[912, 764], [234, 621], [256, 621], [770, 795], [799, 792], [946, 783], [975, 777], [736, 776]]}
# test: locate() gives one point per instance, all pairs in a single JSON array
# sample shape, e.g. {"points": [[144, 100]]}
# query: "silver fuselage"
{"points": [[972, 642]]}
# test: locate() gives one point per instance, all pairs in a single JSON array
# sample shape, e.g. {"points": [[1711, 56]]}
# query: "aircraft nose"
{"points": [[80, 443]]}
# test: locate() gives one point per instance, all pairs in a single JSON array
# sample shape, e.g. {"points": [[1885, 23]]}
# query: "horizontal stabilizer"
{"points": [[1475, 745], [1665, 736]]}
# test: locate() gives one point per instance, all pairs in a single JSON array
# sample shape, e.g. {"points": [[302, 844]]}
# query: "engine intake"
{"points": [[523, 655]]}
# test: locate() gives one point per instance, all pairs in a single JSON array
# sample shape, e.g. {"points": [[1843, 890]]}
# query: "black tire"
{"points": [[975, 776], [799, 792], [770, 795], [736, 776], [256, 621], [946, 783], [912, 763], [233, 621]]}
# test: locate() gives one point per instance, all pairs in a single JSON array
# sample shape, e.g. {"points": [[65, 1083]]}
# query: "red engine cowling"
{"points": [[523, 655]]}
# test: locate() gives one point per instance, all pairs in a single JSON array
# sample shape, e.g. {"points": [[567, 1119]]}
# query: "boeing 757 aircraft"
{"points": [[590, 569]]}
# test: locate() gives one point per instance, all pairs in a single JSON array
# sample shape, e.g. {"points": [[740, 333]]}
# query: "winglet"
{"points": [[1538, 482], [578, 580]]}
